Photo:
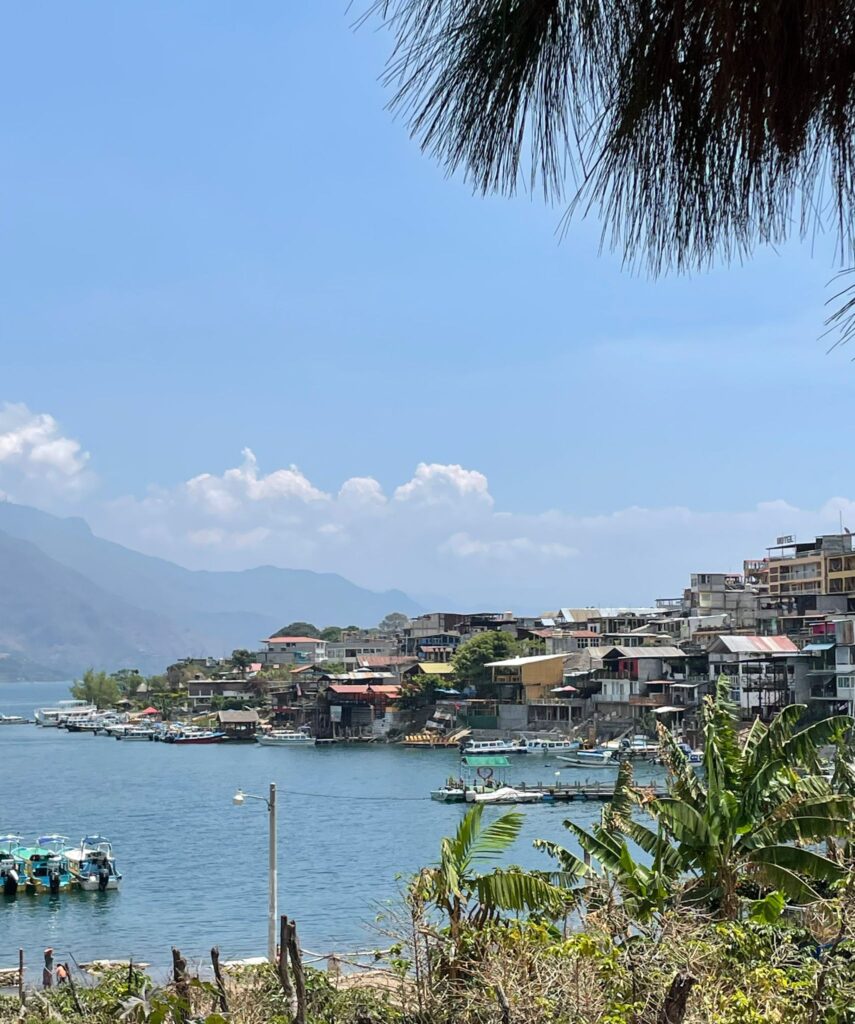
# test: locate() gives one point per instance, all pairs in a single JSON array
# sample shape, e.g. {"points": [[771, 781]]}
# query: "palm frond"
{"points": [[517, 890], [697, 127], [683, 822], [475, 843], [803, 748], [805, 863], [571, 865]]}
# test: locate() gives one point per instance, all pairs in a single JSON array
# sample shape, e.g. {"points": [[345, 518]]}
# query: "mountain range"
{"points": [[69, 599]]}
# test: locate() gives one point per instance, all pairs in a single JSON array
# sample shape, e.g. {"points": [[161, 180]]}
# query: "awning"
{"points": [[564, 689], [684, 686], [666, 710], [817, 647], [150, 711], [451, 693]]}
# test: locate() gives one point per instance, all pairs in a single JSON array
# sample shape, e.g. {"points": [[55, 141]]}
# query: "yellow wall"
{"points": [[540, 677]]}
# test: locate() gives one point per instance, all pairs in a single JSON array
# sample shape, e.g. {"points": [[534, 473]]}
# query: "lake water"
{"points": [[351, 819]]}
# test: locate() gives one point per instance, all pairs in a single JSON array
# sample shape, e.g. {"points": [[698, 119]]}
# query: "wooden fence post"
{"points": [[297, 969], [673, 1008], [182, 988], [218, 976], [21, 976]]}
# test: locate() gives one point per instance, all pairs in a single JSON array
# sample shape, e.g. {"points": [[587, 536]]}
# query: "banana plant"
{"points": [[751, 820], [463, 894]]}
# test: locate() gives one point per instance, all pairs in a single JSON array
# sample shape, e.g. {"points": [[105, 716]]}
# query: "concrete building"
{"points": [[765, 671], [844, 630], [354, 646], [293, 650], [525, 679]]}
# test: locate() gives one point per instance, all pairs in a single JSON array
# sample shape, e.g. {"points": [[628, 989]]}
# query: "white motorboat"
{"points": [[12, 720], [493, 747], [93, 865], [449, 794], [550, 745], [284, 738], [135, 733], [506, 795], [63, 709], [599, 758]]}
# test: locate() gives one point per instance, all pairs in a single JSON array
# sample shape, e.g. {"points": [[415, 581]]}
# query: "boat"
{"points": [[479, 773], [48, 870], [93, 865], [193, 735], [507, 795], [494, 747], [13, 865], [135, 733], [638, 746], [13, 720], [601, 757], [52, 717], [284, 738], [550, 746]]}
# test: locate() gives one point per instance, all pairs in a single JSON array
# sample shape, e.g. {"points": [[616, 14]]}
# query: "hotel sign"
{"points": [[786, 539]]}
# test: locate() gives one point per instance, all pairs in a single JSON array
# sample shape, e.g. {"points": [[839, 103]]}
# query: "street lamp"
{"points": [[239, 799]]}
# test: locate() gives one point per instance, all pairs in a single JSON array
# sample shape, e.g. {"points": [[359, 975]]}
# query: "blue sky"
{"points": [[215, 237]]}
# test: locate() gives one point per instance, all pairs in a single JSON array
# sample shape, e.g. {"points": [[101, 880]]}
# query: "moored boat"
{"points": [[54, 716], [48, 870], [601, 757], [507, 795], [13, 720], [550, 745], [93, 865], [134, 733], [13, 867], [494, 747], [194, 736], [284, 738]]}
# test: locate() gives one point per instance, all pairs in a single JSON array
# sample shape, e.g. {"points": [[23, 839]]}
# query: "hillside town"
{"points": [[782, 630]]}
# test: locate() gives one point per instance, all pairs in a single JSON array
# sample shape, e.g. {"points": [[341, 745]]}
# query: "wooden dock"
{"points": [[565, 792]]}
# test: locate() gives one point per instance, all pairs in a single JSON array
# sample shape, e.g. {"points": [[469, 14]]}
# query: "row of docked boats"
{"points": [[51, 866]]}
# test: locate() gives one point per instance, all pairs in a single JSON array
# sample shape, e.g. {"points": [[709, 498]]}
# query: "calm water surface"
{"points": [[351, 819]]}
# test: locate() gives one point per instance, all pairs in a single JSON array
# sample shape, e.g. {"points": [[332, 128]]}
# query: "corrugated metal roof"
{"points": [[757, 644], [237, 717], [514, 662], [817, 647], [435, 668]]}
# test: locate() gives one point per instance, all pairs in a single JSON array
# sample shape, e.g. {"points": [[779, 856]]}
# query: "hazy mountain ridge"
{"points": [[69, 599]]}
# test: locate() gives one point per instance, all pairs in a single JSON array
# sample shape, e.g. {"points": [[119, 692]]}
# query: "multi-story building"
{"points": [[355, 645], [765, 672], [845, 661], [800, 583], [292, 650]]}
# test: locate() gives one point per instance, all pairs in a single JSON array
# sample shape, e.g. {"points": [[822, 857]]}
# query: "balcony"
{"points": [[669, 603]]}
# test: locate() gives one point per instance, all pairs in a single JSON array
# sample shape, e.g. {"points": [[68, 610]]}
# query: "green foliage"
{"points": [[394, 622], [334, 668], [332, 634], [241, 659], [742, 828], [97, 688], [473, 654], [298, 629]]}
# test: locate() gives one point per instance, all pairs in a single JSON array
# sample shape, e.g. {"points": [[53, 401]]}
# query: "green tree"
{"points": [[696, 127], [241, 659], [127, 680], [473, 654], [455, 887], [332, 634], [97, 688], [299, 629], [746, 827], [394, 622], [334, 668]]}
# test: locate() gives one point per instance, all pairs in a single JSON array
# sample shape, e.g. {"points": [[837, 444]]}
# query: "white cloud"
{"points": [[37, 462], [440, 532], [435, 483]]}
